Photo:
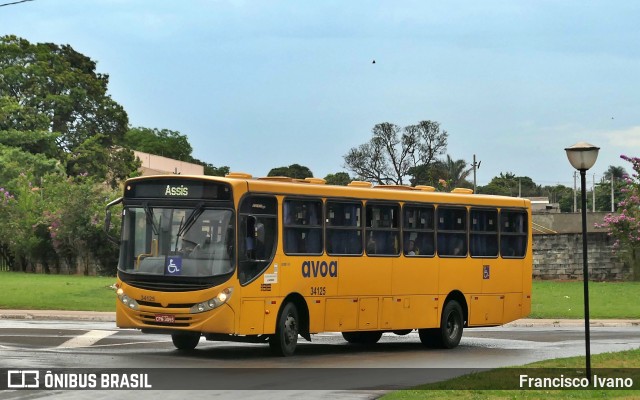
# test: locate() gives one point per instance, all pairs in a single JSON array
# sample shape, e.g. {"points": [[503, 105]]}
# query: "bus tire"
{"points": [[185, 340], [451, 325], [285, 340], [366, 338]]}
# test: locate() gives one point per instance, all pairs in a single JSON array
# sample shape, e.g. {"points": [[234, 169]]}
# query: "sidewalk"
{"points": [[111, 317], [58, 315]]}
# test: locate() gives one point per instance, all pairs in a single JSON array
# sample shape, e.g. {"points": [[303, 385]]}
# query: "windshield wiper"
{"points": [[191, 219], [150, 220], [175, 249]]}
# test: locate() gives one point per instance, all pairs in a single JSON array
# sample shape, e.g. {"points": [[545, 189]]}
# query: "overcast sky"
{"points": [[263, 84]]}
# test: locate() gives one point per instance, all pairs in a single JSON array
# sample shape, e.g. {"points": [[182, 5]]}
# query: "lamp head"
{"points": [[582, 155]]}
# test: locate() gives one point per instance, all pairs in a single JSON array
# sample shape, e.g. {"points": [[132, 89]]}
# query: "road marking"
{"points": [[86, 340]]}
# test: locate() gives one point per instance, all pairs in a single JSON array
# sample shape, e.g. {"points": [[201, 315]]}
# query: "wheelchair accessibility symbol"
{"points": [[485, 272], [173, 265]]}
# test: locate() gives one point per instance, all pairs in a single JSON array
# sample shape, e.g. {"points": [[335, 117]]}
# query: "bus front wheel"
{"points": [[185, 340], [285, 340], [450, 332]]}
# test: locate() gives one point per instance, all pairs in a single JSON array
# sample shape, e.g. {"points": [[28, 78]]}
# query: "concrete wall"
{"points": [[566, 222], [158, 165], [559, 256]]}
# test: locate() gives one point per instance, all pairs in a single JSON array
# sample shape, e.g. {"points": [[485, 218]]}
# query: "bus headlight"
{"points": [[210, 304], [126, 300]]}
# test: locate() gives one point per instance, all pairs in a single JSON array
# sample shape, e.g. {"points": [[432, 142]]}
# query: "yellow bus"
{"points": [[271, 259]]}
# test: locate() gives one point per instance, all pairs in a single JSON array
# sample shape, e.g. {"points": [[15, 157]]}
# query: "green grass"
{"points": [[509, 377], [70, 292], [552, 299], [56, 292]]}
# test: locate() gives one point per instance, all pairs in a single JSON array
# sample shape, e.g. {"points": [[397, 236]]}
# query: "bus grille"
{"points": [[167, 286], [158, 305]]}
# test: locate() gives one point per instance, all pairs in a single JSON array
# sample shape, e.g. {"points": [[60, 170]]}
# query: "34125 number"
{"points": [[318, 291]]}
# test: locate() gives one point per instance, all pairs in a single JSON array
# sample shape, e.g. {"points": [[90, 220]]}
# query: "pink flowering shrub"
{"points": [[624, 226]]}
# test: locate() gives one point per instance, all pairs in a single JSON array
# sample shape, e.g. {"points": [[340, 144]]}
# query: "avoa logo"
{"points": [[319, 268]]}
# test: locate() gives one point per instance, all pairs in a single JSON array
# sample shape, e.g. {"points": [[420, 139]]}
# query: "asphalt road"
{"points": [[329, 363]]}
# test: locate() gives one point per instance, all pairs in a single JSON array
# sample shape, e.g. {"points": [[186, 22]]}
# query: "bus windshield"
{"points": [[189, 242]]}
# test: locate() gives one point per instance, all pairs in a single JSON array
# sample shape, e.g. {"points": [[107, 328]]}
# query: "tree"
{"points": [[397, 156], [168, 143], [165, 142], [560, 194], [48, 88], [613, 177], [94, 157], [339, 178], [510, 185], [210, 169], [34, 142], [75, 220], [59, 84], [453, 172], [296, 171], [624, 225]]}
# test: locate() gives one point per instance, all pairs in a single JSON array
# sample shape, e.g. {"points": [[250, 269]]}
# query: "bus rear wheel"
{"points": [[185, 340], [368, 337], [285, 340], [450, 332]]}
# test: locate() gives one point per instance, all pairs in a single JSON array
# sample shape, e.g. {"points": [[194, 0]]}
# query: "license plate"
{"points": [[166, 318]]}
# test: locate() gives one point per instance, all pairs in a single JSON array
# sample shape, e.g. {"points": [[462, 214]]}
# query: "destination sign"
{"points": [[186, 189]]}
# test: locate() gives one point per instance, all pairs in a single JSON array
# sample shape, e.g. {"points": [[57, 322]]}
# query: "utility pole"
{"points": [[612, 203], [575, 201], [593, 206], [475, 167]]}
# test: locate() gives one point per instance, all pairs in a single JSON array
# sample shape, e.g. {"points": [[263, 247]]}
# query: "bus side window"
{"points": [[343, 228], [302, 226], [382, 226], [418, 230], [452, 231], [484, 233]]}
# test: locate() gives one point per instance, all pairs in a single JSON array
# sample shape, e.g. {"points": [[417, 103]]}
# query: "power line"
{"points": [[15, 2]]}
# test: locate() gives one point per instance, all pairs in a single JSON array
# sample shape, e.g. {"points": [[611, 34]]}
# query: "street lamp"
{"points": [[582, 156]]}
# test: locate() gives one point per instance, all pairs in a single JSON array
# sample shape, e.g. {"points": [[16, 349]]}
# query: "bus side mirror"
{"points": [[107, 221]]}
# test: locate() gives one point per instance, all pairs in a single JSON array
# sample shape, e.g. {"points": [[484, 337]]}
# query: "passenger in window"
{"points": [[372, 247], [410, 248], [458, 247]]}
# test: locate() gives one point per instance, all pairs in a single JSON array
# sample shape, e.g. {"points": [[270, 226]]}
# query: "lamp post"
{"points": [[582, 156]]}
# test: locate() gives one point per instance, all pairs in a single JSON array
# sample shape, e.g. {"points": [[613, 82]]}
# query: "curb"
{"points": [[111, 317], [559, 323], [58, 315]]}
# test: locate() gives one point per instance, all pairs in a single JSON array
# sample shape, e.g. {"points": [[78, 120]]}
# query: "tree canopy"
{"points": [[161, 142], [339, 178], [57, 89], [52, 92], [397, 155], [296, 171]]}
